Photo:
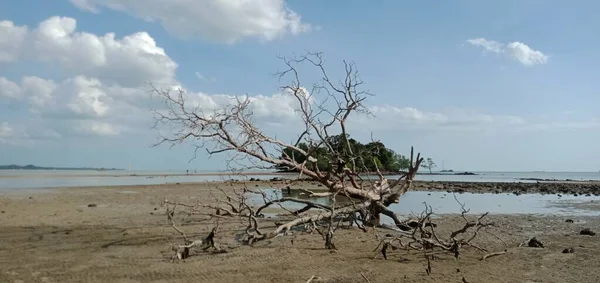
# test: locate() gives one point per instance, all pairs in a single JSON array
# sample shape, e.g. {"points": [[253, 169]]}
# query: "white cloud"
{"points": [[217, 20], [525, 54], [9, 89], [104, 93], [87, 102], [408, 115], [37, 91], [454, 119], [515, 50], [11, 39], [88, 106], [132, 60], [204, 78], [98, 128], [276, 107], [6, 132], [488, 45], [83, 106]]}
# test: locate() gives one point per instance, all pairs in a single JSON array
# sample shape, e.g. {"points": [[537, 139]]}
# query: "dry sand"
{"points": [[51, 235]]}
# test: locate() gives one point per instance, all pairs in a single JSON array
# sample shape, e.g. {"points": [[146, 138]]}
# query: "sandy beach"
{"points": [[56, 235]]}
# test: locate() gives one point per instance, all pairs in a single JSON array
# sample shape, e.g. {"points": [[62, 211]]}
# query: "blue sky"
{"points": [[475, 85]]}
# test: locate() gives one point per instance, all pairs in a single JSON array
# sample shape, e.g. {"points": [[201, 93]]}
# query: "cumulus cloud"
{"points": [[9, 89], [129, 61], [106, 94], [277, 107], [514, 50], [11, 40], [90, 106], [216, 20], [105, 89], [93, 106]]}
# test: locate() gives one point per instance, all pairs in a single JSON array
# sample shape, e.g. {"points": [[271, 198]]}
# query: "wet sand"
{"points": [[51, 235]]}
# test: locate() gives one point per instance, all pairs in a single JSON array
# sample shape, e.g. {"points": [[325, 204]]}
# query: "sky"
{"points": [[475, 85]]}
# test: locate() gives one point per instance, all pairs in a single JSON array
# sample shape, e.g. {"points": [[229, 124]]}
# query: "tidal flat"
{"points": [[121, 234]]}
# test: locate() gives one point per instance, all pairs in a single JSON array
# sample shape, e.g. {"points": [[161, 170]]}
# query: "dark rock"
{"points": [[535, 243], [569, 221], [568, 251], [92, 205], [3, 211], [412, 223], [587, 232]]}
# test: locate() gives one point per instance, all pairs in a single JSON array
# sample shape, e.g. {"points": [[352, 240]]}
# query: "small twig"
{"points": [[365, 277], [493, 254], [311, 279]]}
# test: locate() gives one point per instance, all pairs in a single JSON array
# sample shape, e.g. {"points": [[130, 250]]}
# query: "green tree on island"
{"points": [[429, 164], [368, 157]]}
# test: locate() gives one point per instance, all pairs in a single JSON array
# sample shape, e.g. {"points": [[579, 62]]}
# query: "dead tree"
{"points": [[324, 112]]}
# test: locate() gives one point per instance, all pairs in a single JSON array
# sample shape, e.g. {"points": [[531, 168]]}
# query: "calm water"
{"points": [[63, 178], [28, 179], [412, 203]]}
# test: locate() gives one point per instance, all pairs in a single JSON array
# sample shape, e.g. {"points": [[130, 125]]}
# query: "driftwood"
{"points": [[183, 251]]}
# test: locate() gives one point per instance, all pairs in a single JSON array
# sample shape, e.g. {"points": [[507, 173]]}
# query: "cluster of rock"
{"points": [[572, 188]]}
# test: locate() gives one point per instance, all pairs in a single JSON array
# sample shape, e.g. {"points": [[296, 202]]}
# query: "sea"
{"points": [[31, 179]]}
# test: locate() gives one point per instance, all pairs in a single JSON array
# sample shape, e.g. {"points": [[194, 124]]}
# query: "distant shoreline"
{"points": [[147, 175], [34, 167], [39, 173]]}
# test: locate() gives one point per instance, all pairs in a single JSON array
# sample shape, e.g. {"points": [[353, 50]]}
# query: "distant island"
{"points": [[33, 167]]}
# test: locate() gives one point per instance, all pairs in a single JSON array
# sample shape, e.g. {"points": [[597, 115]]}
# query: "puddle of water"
{"points": [[412, 203]]}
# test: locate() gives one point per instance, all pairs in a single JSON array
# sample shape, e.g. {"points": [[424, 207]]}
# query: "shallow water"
{"points": [[413, 202], [121, 180], [74, 178]]}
